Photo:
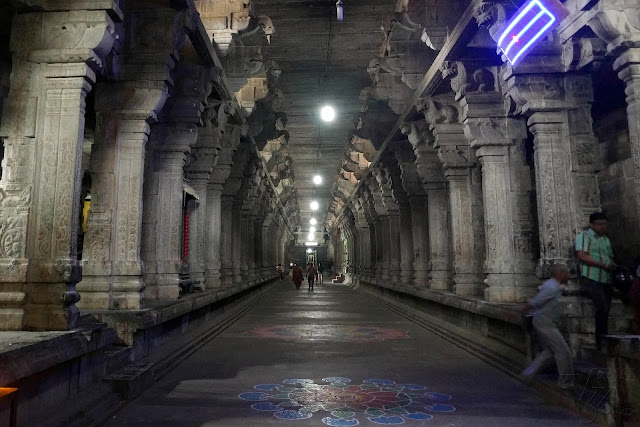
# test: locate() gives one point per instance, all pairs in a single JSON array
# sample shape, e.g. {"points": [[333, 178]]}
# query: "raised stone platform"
{"points": [[75, 377]]}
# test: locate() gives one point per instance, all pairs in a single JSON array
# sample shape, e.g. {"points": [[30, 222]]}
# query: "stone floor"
{"points": [[335, 357]]}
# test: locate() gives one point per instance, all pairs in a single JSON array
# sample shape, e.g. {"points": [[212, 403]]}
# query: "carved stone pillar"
{"points": [[465, 198], [506, 185], [429, 170], [42, 130], [163, 210], [227, 232], [382, 232], [628, 67], [112, 265], [558, 109]]}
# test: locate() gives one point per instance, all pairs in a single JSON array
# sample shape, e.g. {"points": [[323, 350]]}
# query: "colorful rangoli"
{"points": [[377, 400]]}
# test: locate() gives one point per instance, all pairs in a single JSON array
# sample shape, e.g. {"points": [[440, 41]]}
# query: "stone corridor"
{"points": [[162, 162], [322, 338]]}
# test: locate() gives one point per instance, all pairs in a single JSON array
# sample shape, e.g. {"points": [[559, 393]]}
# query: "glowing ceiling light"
{"points": [[309, 250], [531, 22], [313, 221], [314, 243], [312, 230], [311, 236], [314, 206], [317, 180], [327, 113]]}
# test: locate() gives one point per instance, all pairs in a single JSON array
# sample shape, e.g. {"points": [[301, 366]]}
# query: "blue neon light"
{"points": [[529, 24]]}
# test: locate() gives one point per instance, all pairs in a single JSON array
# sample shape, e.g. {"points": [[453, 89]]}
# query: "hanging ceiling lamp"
{"points": [[340, 10]]}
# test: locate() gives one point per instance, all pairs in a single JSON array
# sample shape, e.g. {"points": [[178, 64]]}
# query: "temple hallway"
{"points": [[338, 334]]}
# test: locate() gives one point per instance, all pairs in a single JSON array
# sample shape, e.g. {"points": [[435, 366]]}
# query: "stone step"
{"points": [[131, 380], [116, 357]]}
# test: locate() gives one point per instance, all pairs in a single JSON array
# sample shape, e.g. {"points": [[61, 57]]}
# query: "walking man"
{"points": [[311, 275], [596, 262], [547, 314]]}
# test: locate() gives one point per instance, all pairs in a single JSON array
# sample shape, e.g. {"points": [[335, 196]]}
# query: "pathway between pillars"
{"points": [[334, 357]]}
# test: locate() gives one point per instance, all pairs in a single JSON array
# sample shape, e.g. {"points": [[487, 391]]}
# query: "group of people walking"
{"points": [[314, 274]]}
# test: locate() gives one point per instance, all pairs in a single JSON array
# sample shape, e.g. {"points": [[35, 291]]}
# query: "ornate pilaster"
{"points": [[42, 130]]}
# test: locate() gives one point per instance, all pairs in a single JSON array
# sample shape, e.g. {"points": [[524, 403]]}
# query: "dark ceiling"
{"points": [[323, 62]]}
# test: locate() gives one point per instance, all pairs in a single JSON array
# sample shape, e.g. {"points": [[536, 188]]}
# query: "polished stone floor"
{"points": [[335, 357]]}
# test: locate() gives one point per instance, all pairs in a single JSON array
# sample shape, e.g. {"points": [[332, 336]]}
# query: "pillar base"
{"points": [[468, 285], [167, 286], [509, 287]]}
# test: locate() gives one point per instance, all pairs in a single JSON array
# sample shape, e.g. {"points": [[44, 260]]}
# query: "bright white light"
{"points": [[312, 230], [314, 206], [313, 221], [309, 251], [327, 113], [314, 243], [317, 180], [311, 236]]}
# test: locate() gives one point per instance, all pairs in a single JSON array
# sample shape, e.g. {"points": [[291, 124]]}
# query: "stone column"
{"points": [[628, 67], [238, 243], [226, 249], [465, 197], [382, 232], [112, 266], [163, 216], [565, 153], [42, 130], [419, 209], [506, 183], [429, 170], [214, 222], [197, 228]]}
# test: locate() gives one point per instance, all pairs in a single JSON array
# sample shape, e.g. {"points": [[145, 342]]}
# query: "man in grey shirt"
{"points": [[547, 314]]}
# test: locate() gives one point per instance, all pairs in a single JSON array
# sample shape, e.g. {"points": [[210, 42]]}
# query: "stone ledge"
{"points": [[23, 354], [505, 312], [127, 322]]}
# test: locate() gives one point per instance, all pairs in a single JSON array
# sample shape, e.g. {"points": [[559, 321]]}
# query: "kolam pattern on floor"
{"points": [[380, 401]]}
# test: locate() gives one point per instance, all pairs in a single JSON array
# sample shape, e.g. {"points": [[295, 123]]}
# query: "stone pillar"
{"points": [[163, 205], [382, 232], [628, 67], [227, 233], [214, 223], [238, 243], [465, 198], [112, 266], [197, 228], [565, 150], [429, 169], [419, 221], [42, 130], [506, 184]]}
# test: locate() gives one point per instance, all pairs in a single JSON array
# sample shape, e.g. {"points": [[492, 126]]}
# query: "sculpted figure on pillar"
{"points": [[56, 53]]}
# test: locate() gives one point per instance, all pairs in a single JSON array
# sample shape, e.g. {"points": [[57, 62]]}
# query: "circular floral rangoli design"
{"points": [[341, 333], [380, 401]]}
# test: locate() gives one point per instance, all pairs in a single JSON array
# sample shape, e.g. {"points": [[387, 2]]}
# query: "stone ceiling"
{"points": [[311, 78]]}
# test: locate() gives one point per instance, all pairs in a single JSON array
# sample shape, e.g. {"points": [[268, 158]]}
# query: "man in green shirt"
{"points": [[596, 262]]}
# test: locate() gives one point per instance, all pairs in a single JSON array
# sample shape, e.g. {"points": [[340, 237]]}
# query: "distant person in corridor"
{"points": [[596, 263], [547, 314], [297, 276], [311, 275]]}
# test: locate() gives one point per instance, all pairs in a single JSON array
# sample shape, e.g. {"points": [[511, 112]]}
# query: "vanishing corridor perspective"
{"points": [[319, 212]]}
